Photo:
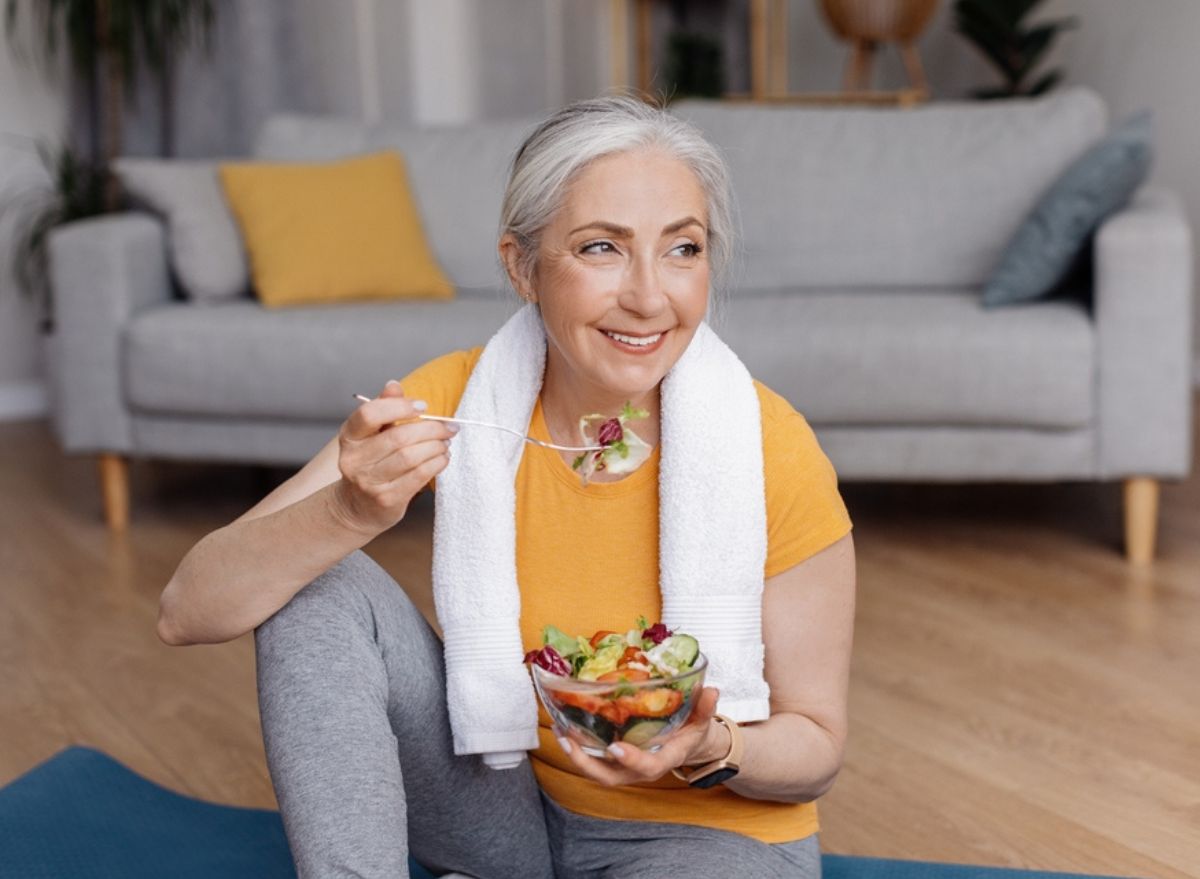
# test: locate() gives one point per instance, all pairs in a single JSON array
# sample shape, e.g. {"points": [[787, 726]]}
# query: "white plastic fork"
{"points": [[528, 439]]}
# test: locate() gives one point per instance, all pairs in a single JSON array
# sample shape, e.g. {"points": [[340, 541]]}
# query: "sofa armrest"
{"points": [[103, 270], [1143, 312]]}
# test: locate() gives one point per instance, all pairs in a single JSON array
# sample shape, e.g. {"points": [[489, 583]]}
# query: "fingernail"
{"points": [[616, 750], [420, 405], [391, 383], [565, 744], [453, 428]]}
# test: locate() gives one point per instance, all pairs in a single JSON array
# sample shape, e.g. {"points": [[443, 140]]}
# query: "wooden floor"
{"points": [[1020, 696]]}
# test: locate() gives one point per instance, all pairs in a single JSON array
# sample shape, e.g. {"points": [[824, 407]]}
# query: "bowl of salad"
{"points": [[635, 687]]}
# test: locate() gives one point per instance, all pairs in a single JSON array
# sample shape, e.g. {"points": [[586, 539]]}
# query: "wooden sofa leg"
{"points": [[114, 483], [1141, 519]]}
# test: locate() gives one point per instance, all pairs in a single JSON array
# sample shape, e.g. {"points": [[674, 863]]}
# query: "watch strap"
{"points": [[718, 770]]}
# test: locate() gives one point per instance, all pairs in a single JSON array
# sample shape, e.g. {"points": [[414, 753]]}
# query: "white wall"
{"points": [[1141, 55], [30, 108]]}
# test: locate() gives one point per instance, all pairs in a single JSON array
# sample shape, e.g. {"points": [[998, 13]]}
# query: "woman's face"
{"points": [[622, 272]]}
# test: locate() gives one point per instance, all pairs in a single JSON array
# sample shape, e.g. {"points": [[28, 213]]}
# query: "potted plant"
{"points": [[997, 29], [107, 41], [694, 63]]}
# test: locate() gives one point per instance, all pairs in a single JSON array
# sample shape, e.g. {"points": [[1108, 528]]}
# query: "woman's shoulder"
{"points": [[805, 511], [775, 409], [788, 440], [440, 382]]}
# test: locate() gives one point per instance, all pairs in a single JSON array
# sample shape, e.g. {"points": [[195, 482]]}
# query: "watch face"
{"points": [[714, 778]]}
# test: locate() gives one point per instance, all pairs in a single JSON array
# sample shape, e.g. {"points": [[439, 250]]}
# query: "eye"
{"points": [[589, 247], [689, 249]]}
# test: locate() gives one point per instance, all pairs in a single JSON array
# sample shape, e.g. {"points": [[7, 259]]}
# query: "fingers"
{"points": [[705, 706], [389, 407], [629, 764], [418, 476], [396, 453]]}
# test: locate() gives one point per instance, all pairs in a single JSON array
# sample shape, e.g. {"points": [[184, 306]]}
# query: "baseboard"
{"points": [[23, 401]]}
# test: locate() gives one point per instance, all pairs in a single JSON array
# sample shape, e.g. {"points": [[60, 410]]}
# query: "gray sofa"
{"points": [[867, 236]]}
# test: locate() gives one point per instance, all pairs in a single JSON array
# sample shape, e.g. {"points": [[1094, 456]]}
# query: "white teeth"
{"points": [[634, 340]]}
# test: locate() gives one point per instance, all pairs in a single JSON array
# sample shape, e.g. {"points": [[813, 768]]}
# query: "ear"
{"points": [[510, 255]]}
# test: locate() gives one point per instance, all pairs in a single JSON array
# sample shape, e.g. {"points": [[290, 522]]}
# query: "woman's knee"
{"points": [[355, 595], [340, 596]]}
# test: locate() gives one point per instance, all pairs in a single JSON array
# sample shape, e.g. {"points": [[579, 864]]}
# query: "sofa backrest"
{"points": [[874, 196], [457, 175], [827, 196]]}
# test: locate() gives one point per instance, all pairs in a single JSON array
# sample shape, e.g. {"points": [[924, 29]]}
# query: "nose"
{"points": [[642, 288]]}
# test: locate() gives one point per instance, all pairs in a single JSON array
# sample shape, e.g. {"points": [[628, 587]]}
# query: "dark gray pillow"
{"points": [[1049, 240]]}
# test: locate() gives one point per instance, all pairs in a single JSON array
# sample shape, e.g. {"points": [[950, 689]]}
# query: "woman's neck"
{"points": [[566, 399]]}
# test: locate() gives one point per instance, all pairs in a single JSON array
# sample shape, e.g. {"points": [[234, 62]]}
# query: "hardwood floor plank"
{"points": [[897, 801]]}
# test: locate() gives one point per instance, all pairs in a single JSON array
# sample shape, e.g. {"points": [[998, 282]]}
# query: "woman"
{"points": [[615, 219]]}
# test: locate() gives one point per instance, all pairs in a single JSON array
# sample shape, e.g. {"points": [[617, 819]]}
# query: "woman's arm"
{"points": [[239, 575], [808, 627], [794, 756], [355, 488]]}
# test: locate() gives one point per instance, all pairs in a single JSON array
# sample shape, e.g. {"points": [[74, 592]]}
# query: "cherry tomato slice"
{"points": [[600, 636], [631, 654], [624, 674]]}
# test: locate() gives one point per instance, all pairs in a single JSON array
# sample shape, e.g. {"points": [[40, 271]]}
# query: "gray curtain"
{"points": [[223, 96]]}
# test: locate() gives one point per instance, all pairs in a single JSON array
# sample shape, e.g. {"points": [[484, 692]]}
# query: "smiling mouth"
{"points": [[636, 341]]}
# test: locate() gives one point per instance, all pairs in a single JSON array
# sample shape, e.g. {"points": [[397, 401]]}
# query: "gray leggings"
{"points": [[352, 697]]}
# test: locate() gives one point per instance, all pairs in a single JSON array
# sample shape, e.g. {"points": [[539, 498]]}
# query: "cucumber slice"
{"points": [[602, 730], [642, 731], [680, 651]]}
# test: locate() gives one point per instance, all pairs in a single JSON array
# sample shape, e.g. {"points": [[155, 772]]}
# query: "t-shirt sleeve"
{"points": [[441, 383], [805, 511]]}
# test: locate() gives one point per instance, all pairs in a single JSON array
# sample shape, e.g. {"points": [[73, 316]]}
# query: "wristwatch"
{"points": [[718, 771]]}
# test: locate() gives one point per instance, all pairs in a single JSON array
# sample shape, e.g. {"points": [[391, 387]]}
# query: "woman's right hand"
{"points": [[384, 463]]}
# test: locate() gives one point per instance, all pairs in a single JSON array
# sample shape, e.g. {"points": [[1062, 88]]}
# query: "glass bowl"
{"points": [[643, 713]]}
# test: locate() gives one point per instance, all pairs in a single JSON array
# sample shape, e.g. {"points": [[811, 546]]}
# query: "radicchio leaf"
{"points": [[549, 659], [657, 633], [610, 432]]}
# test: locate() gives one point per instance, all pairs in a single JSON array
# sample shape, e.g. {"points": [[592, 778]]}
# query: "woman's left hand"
{"points": [[697, 741]]}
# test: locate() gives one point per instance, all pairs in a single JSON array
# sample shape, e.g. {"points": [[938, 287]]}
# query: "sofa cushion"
{"points": [[332, 231], [845, 357], [1051, 238], [917, 357], [457, 173], [865, 196], [205, 246], [302, 363]]}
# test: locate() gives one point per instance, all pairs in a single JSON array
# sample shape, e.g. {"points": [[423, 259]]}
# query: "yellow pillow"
{"points": [[332, 231]]}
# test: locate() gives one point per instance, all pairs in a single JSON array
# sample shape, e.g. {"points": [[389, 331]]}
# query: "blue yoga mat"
{"points": [[83, 815]]}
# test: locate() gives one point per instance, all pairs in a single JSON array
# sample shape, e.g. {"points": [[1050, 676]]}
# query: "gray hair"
{"points": [[561, 147]]}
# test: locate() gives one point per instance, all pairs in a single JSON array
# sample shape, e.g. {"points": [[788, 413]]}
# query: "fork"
{"points": [[528, 439]]}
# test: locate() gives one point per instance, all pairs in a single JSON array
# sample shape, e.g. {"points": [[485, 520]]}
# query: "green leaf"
{"points": [[1033, 44], [628, 413], [996, 47], [1045, 83], [995, 28], [566, 646]]}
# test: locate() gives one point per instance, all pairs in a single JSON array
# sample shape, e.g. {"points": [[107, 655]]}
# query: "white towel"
{"points": [[712, 535]]}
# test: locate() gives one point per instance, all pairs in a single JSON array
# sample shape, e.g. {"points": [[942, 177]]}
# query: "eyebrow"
{"points": [[626, 232]]}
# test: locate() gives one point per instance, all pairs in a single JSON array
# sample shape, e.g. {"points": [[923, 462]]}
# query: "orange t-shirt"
{"points": [[571, 576]]}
